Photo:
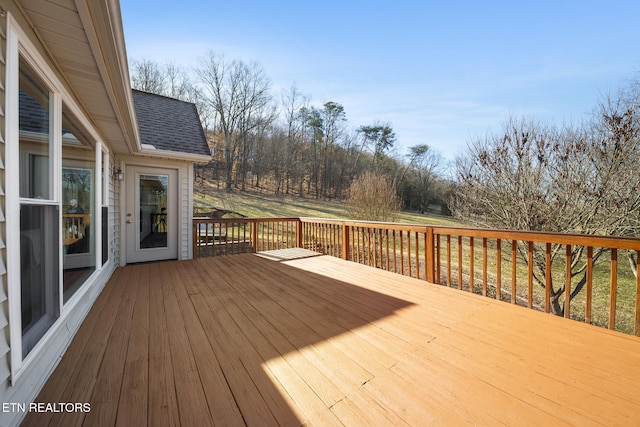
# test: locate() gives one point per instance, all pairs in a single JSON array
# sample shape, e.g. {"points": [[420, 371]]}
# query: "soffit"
{"points": [[85, 41]]}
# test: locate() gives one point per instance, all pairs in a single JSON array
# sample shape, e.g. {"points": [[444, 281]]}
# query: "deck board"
{"points": [[292, 340]]}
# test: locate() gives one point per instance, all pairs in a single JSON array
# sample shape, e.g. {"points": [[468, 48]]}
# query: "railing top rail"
{"points": [[618, 242], [206, 219], [369, 224]]}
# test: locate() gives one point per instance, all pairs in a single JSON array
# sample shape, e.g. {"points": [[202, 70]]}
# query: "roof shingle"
{"points": [[169, 124]]}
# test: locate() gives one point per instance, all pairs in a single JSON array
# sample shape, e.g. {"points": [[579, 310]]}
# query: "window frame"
{"points": [[20, 47]]}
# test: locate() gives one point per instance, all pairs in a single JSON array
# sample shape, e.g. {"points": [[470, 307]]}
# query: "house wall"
{"points": [[33, 373]]}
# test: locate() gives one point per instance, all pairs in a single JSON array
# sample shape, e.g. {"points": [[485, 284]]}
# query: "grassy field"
{"points": [[269, 206]]}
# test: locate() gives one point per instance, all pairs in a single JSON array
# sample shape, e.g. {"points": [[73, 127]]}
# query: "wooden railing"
{"points": [[226, 236], [74, 227], [575, 276], [391, 246]]}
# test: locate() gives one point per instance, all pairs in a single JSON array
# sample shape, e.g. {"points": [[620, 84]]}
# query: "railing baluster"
{"points": [[484, 266], [409, 252], [427, 254], [381, 252], [530, 275], [386, 238], [471, 266], [636, 323], [499, 269], [589, 285], [459, 262], [226, 233], [567, 283], [614, 289], [514, 271], [395, 263], [418, 256], [375, 247], [548, 278], [368, 246], [449, 260], [334, 234], [401, 253], [438, 278], [360, 254]]}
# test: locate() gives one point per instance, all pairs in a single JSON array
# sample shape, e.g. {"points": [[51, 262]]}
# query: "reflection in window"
{"points": [[153, 211], [34, 126], [105, 209], [78, 199], [39, 238], [38, 272]]}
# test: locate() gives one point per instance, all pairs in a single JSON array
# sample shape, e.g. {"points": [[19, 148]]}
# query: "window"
{"points": [[39, 262], [53, 195], [36, 155], [105, 207], [153, 211], [78, 204]]}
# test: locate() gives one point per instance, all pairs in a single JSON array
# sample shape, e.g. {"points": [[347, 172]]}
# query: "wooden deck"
{"points": [[317, 340]]}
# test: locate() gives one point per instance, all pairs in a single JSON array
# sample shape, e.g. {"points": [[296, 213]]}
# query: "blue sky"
{"points": [[441, 72]]}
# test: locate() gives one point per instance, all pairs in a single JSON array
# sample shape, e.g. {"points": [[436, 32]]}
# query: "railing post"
{"points": [[636, 325], [430, 258], [299, 236], [345, 242]]}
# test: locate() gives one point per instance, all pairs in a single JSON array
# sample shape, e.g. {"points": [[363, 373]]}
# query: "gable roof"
{"points": [[169, 124]]}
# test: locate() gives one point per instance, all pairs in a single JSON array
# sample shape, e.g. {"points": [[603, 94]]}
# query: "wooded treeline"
{"points": [[285, 144]]}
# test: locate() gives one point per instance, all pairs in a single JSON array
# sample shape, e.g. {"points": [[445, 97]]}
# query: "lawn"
{"points": [[254, 205]]}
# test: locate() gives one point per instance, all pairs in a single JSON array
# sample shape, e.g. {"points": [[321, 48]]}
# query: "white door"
{"points": [[151, 219]]}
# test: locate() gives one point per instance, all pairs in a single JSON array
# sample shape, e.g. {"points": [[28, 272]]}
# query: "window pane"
{"points": [[105, 234], [78, 198], [39, 251], [153, 211], [34, 121]]}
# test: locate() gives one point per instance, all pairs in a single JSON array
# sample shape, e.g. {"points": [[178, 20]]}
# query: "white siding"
{"points": [[186, 210], [114, 212], [4, 307]]}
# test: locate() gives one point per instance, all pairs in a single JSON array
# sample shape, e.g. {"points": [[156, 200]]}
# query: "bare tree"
{"points": [[615, 162], [539, 178], [239, 97], [372, 197], [292, 171], [419, 177], [147, 76]]}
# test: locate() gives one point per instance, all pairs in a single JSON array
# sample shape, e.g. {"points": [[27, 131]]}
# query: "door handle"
{"points": [[128, 221]]}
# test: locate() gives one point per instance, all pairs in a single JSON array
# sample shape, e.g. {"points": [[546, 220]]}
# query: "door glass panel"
{"points": [[153, 211]]}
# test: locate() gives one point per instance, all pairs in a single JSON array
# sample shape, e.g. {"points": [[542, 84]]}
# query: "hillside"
{"points": [[256, 205]]}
